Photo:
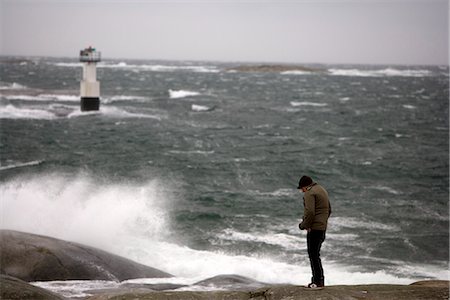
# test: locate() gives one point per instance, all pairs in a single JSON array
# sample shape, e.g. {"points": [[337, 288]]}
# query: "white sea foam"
{"points": [[62, 98], [117, 98], [24, 97], [176, 94], [13, 86], [387, 189], [342, 236], [43, 97], [286, 241], [296, 73], [199, 108], [73, 98], [201, 152], [380, 73], [12, 112], [340, 222], [114, 112], [21, 165], [284, 192], [68, 64], [306, 103], [53, 112], [76, 288]]}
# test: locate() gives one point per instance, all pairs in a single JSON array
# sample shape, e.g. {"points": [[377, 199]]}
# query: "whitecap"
{"points": [[62, 98], [176, 94], [295, 73], [387, 189], [306, 103], [279, 192], [283, 240], [13, 86], [25, 97], [43, 97], [21, 165], [114, 112], [390, 72], [342, 236], [12, 112], [201, 152], [68, 64], [76, 288], [199, 108], [341, 222], [110, 99]]}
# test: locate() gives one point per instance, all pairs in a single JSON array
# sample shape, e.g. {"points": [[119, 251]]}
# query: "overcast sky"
{"points": [[321, 31]]}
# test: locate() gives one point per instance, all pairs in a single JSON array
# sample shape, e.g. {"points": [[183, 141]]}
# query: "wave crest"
{"points": [[380, 73]]}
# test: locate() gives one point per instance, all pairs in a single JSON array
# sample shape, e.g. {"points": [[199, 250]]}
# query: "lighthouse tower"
{"points": [[89, 86]]}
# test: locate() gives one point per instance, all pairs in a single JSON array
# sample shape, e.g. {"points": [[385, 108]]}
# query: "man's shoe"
{"points": [[315, 287]]}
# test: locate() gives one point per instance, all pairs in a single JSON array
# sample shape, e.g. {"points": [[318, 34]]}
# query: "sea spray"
{"points": [[84, 209], [176, 94]]}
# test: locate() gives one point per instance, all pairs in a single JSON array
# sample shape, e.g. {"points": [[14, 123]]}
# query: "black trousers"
{"points": [[314, 240]]}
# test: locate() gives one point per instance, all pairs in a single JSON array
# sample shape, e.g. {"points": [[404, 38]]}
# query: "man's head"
{"points": [[304, 182]]}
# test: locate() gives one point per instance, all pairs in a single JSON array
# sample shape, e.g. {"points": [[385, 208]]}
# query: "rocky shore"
{"points": [[28, 258], [421, 290]]}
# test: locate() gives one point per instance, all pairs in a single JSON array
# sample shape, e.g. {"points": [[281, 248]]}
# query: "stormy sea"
{"points": [[191, 167]]}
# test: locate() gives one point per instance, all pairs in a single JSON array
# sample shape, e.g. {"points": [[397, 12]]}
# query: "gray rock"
{"points": [[33, 257], [153, 286], [234, 282], [13, 288]]}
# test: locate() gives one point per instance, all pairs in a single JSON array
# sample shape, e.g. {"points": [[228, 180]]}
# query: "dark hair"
{"points": [[304, 181]]}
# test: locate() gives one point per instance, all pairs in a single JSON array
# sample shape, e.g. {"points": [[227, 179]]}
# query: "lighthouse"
{"points": [[89, 86]]}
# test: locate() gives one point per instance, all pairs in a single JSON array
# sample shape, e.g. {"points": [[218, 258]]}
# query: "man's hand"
{"points": [[307, 229]]}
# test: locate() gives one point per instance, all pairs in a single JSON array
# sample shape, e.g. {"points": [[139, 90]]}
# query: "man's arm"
{"points": [[329, 208], [309, 213]]}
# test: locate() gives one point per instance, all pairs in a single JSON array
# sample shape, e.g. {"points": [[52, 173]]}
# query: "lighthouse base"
{"points": [[89, 103]]}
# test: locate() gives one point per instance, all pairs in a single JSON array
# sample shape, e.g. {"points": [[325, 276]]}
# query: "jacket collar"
{"points": [[309, 187]]}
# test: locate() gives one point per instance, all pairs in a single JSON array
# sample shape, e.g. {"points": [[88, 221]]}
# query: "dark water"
{"points": [[192, 169]]}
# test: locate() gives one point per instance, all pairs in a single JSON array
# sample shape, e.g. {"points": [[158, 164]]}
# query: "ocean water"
{"points": [[191, 168]]}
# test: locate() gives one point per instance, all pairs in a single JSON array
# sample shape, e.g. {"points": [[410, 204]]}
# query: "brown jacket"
{"points": [[317, 208]]}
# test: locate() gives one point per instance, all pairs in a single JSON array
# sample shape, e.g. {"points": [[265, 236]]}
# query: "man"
{"points": [[317, 209]]}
